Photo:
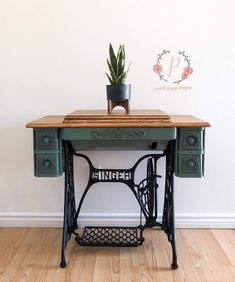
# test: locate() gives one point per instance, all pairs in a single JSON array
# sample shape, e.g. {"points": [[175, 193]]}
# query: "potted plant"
{"points": [[117, 90]]}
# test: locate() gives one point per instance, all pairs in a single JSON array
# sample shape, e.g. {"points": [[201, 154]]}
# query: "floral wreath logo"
{"points": [[181, 64]]}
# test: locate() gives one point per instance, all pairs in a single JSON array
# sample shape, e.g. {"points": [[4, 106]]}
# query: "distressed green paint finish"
{"points": [[190, 139], [189, 165], [189, 161], [48, 152], [46, 139], [102, 134], [47, 165], [128, 139]]}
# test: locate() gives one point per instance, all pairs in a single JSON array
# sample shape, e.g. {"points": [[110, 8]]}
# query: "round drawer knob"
{"points": [[191, 163], [46, 139], [191, 140], [46, 163]]}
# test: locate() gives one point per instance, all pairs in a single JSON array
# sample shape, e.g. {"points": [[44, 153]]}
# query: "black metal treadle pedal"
{"points": [[111, 236]]}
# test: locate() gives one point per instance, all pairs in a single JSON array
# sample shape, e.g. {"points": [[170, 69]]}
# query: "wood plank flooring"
{"points": [[33, 254]]}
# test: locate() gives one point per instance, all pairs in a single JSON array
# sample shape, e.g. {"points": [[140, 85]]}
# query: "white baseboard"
{"points": [[191, 220]]}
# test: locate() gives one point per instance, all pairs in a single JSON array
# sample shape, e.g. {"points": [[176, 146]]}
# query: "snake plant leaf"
{"points": [[116, 65], [119, 51], [121, 61], [110, 79], [121, 79], [113, 58], [112, 72]]}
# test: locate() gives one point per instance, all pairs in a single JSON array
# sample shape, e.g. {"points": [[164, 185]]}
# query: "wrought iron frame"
{"points": [[145, 193]]}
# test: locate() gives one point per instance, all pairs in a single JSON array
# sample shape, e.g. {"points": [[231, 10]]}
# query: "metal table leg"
{"points": [[69, 202], [168, 220]]}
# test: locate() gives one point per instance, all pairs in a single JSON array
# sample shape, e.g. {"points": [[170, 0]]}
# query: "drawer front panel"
{"points": [[47, 165], [46, 139], [189, 165], [190, 152], [190, 139], [106, 134]]}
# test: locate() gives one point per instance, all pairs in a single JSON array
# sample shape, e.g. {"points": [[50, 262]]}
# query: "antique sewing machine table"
{"points": [[178, 138]]}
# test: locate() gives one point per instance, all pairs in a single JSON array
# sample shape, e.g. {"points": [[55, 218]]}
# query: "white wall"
{"points": [[52, 61]]}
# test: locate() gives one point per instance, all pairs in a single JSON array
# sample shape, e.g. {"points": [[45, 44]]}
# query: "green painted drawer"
{"points": [[190, 165], [46, 138], [189, 159], [47, 165], [114, 139], [48, 152], [190, 139], [102, 134]]}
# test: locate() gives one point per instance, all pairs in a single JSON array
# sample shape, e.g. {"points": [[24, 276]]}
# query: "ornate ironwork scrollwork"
{"points": [[146, 190]]}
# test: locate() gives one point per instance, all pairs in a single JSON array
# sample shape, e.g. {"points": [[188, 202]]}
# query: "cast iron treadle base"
{"points": [[145, 193], [111, 236]]}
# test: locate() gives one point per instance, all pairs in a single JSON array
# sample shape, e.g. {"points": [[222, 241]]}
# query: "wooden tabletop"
{"points": [[86, 115], [100, 118]]}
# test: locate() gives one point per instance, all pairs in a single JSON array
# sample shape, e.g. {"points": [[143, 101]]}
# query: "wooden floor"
{"points": [[32, 254]]}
